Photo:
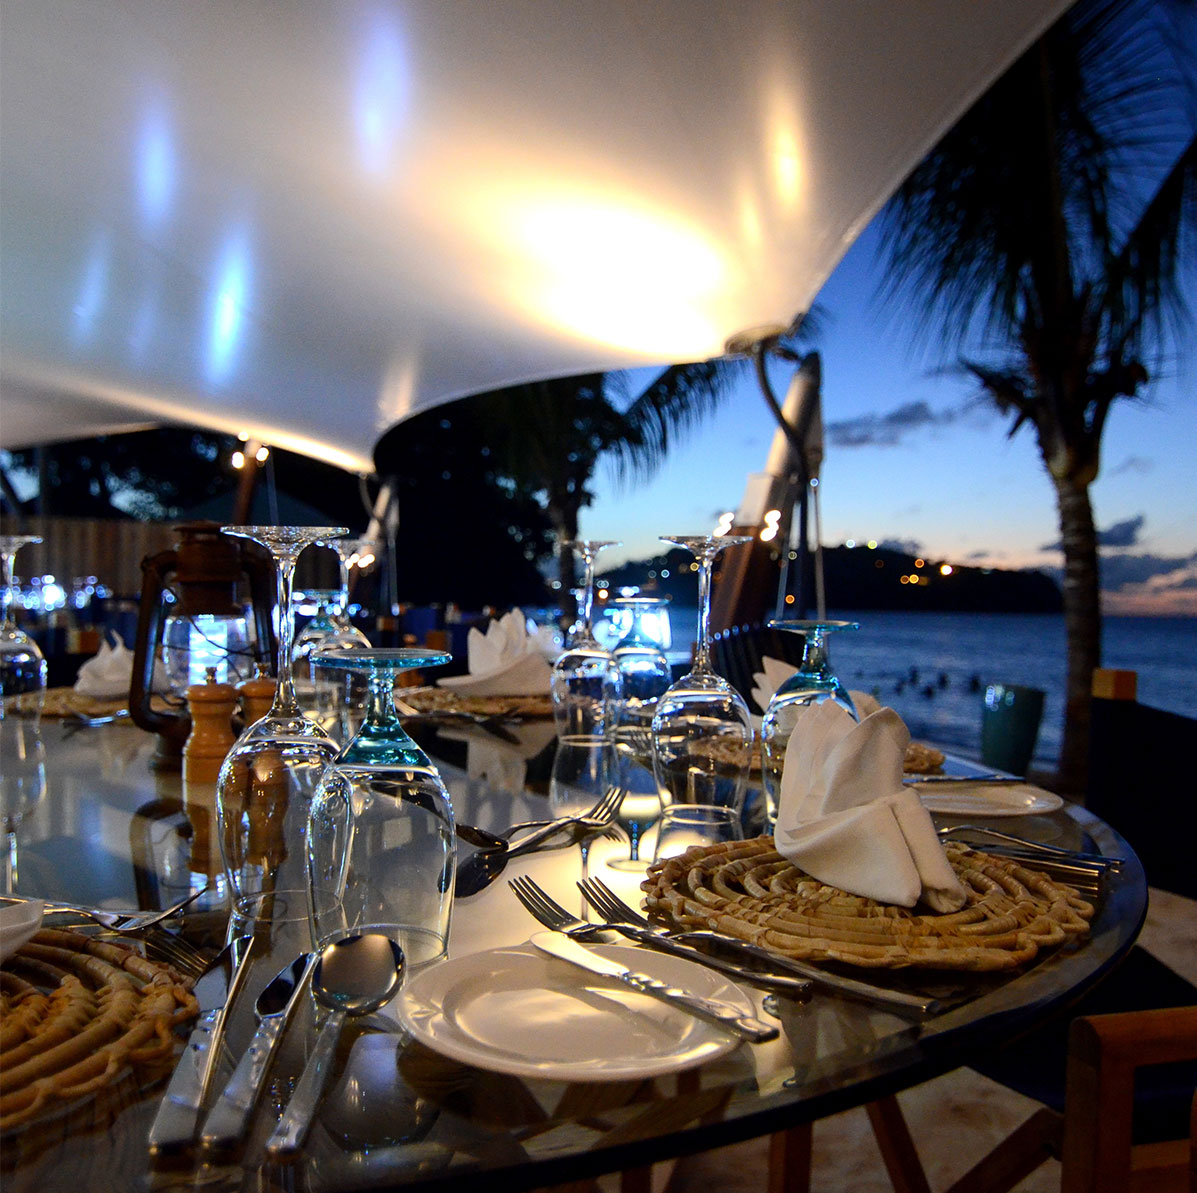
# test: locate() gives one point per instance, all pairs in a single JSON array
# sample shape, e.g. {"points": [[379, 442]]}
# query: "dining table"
{"points": [[101, 827]]}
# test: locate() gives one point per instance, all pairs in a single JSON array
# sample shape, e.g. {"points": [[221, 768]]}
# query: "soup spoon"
{"points": [[353, 976]]}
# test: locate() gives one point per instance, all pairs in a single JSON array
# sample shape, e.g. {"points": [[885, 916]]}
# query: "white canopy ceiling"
{"points": [[307, 221]]}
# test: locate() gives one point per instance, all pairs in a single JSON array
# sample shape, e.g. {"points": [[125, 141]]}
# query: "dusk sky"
{"points": [[912, 459]]}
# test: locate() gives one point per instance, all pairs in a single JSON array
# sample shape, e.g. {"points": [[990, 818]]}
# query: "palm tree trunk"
{"points": [[1082, 622]]}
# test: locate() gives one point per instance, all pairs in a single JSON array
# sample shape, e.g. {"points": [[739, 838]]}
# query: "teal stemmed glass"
{"points": [[813, 683], [381, 841]]}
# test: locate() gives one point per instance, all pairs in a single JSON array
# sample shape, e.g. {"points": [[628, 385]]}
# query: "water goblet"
{"points": [[22, 664], [702, 730], [267, 782], [382, 835], [812, 684], [585, 683]]}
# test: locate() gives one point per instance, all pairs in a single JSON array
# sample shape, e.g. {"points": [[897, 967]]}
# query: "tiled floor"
{"points": [[954, 1119]]}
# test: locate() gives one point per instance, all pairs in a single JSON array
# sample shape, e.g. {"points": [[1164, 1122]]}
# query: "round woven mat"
{"points": [[747, 889], [444, 700], [77, 1015]]}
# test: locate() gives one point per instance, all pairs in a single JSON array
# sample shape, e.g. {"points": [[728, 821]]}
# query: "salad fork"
{"points": [[552, 915]]}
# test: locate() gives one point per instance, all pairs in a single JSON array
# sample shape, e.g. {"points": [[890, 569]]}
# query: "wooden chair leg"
{"points": [[1016, 1157], [897, 1148], [790, 1160]]}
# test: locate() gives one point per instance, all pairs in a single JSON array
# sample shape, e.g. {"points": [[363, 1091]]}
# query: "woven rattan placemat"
{"points": [[77, 1016], [747, 889]]}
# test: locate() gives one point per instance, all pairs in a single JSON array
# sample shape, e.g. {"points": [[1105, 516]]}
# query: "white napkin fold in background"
{"points": [[845, 818], [108, 674], [18, 923], [503, 661], [774, 673]]}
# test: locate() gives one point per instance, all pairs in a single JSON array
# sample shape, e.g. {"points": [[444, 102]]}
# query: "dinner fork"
{"points": [[552, 915], [609, 905], [115, 921], [599, 817]]}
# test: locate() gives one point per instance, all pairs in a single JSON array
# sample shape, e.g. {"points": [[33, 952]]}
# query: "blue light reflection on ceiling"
{"points": [[93, 289], [156, 167], [381, 91], [230, 294]]}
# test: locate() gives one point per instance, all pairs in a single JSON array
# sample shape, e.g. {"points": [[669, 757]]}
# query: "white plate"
{"points": [[987, 799], [517, 1011]]}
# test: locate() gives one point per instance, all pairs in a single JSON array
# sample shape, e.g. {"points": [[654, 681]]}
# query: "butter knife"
{"points": [[175, 1124], [276, 1005], [721, 1014]]}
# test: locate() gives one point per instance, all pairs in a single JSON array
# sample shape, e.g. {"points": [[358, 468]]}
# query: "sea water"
{"points": [[933, 667]]}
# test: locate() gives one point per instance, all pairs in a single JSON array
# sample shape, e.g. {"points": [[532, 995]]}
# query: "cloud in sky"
{"points": [[907, 546], [1121, 534], [888, 430], [1150, 584], [1138, 464]]}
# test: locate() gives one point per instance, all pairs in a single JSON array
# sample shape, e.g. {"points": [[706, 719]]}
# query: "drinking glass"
{"points": [[22, 784], [22, 664], [813, 683], [382, 837], [642, 801], [267, 781], [644, 672], [585, 682], [702, 730], [584, 767]]}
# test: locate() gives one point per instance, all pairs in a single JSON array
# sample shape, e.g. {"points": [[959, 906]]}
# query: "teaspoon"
{"points": [[353, 976]]}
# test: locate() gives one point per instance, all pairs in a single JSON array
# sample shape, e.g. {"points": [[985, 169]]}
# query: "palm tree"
{"points": [[549, 436], [1043, 239]]}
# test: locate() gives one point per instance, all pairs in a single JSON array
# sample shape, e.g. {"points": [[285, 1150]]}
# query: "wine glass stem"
{"points": [[10, 563], [588, 594], [380, 702], [10, 862], [702, 650], [814, 652], [343, 563], [284, 694]]}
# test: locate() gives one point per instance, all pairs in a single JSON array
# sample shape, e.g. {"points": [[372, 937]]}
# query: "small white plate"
{"points": [[987, 799], [517, 1011]]}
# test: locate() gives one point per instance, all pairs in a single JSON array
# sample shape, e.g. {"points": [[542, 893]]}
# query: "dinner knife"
{"points": [[227, 1122], [175, 1124], [721, 1014]]}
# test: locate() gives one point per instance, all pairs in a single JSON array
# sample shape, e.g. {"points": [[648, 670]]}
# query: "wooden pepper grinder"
{"points": [[211, 736], [257, 695]]}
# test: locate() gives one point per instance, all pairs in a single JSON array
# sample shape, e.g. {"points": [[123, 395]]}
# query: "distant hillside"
{"points": [[878, 578]]}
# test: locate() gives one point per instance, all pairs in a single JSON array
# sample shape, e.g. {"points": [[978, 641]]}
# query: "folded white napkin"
{"points": [[845, 818], [775, 673], [107, 675], [18, 923], [505, 661]]}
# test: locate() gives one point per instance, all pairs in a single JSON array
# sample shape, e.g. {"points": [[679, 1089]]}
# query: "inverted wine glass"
{"points": [[22, 786], [382, 839], [22, 664], [267, 782], [340, 696], [585, 683], [812, 684], [702, 731], [644, 672]]}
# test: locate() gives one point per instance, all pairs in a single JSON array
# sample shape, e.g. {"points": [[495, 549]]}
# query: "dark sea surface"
{"points": [[933, 667]]}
